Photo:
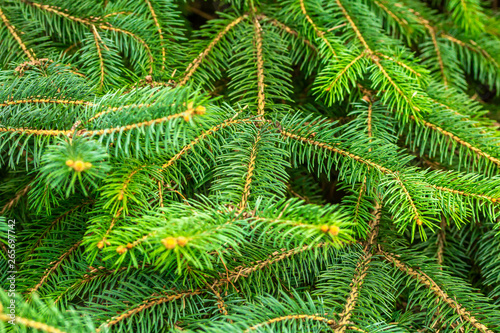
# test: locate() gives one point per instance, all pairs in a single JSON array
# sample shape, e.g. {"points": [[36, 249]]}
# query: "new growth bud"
{"points": [[79, 165]]}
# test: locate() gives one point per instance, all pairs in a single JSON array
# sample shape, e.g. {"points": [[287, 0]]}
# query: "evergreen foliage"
{"points": [[289, 166]]}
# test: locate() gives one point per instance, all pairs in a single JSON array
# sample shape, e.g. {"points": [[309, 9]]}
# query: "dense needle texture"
{"points": [[249, 166]]}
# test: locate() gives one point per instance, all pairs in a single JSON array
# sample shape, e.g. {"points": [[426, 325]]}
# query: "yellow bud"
{"points": [[190, 105], [182, 241], [169, 242], [88, 165], [493, 200], [200, 109], [100, 245], [121, 249], [79, 166], [120, 197], [334, 230], [419, 221], [70, 163], [129, 246], [186, 116], [324, 228], [107, 242]]}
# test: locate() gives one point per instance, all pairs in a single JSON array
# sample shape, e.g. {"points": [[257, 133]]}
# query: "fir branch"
{"points": [[248, 181], [341, 74], [97, 39], [326, 146], [47, 100], [16, 199], [127, 181], [160, 34], [432, 32], [288, 30], [400, 63], [106, 131], [318, 32], [473, 46], [354, 27], [379, 167], [137, 38], [104, 241], [31, 324], [261, 100], [146, 305], [53, 224], [429, 283], [259, 265], [220, 302], [356, 284], [327, 321], [362, 190], [14, 34], [416, 213], [90, 24], [54, 266], [401, 21], [374, 226], [198, 61], [229, 122], [57, 11], [233, 276], [466, 194]]}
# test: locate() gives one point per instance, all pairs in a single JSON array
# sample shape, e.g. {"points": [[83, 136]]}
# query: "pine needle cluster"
{"points": [[249, 166]]}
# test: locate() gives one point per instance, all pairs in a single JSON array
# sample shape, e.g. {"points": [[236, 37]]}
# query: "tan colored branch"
{"points": [[155, 19], [232, 277], [357, 283], [429, 283], [193, 66], [97, 38], [205, 134], [54, 266], [292, 317], [31, 324], [261, 100], [16, 199], [459, 141], [319, 33], [14, 34], [250, 171]]}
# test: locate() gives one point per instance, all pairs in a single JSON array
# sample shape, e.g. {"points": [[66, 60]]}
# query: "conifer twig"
{"points": [[288, 30], [356, 284], [232, 277], [16, 199], [90, 24], [54, 223], [292, 317], [31, 324], [14, 34], [250, 171], [429, 283], [201, 137], [97, 38], [54, 266], [155, 19], [458, 140], [319, 33], [261, 101], [197, 62]]}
